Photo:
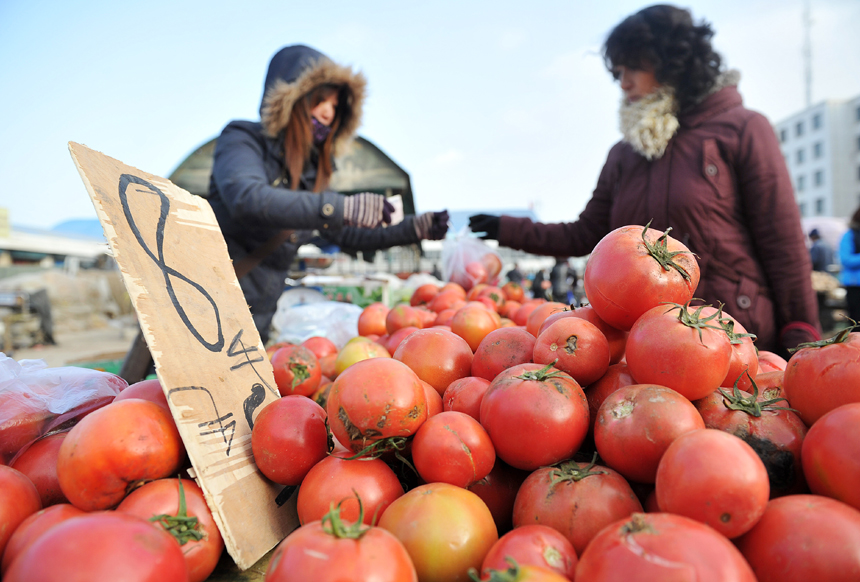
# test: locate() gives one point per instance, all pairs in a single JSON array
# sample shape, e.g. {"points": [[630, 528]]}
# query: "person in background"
{"points": [[515, 275], [692, 158], [540, 286], [849, 256], [820, 252], [436, 272], [270, 179], [559, 277]]}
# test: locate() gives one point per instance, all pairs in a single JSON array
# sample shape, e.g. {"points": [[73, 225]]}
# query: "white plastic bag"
{"points": [[468, 261], [334, 320]]}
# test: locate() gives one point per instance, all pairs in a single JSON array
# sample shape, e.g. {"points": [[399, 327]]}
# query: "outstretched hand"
{"points": [[486, 223], [432, 225]]}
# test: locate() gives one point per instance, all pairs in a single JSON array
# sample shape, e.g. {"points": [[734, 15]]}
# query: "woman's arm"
{"points": [[372, 239], [239, 172]]}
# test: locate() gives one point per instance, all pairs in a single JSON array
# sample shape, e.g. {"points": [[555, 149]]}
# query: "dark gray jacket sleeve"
{"points": [[239, 173], [373, 239]]}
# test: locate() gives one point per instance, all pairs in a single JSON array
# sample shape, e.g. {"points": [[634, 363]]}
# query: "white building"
{"points": [[821, 146]]}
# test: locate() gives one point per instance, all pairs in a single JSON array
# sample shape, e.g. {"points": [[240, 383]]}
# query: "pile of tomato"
{"points": [[477, 432]]}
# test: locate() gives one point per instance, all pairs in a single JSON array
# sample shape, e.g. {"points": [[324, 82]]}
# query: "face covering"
{"points": [[320, 131]]}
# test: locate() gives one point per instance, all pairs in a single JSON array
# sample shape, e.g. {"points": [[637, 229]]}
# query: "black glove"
{"points": [[367, 210], [431, 225], [486, 223]]}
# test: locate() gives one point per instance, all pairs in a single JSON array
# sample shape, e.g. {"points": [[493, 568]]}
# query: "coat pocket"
{"points": [[714, 169]]}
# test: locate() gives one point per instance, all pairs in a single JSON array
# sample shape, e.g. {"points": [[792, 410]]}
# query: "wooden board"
{"points": [[208, 354]]}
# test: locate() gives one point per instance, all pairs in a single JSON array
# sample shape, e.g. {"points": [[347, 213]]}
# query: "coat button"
{"points": [[744, 302], [711, 170], [327, 209]]}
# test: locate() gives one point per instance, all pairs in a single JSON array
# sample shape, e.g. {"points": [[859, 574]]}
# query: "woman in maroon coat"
{"points": [[694, 159]]}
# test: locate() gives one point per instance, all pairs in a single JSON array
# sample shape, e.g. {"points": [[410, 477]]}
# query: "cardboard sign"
{"points": [[208, 354]]}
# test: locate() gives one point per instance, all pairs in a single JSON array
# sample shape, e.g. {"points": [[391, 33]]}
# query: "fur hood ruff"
{"points": [[650, 123], [281, 94]]}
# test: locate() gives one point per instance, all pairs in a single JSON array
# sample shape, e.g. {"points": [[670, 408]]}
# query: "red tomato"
{"points": [[402, 316], [501, 349], [333, 551], [423, 294], [831, 455], [445, 529], [328, 367], [39, 463], [770, 385], [769, 361], [434, 399], [633, 269], [499, 491], [373, 400], [636, 424], [473, 324], [455, 288], [529, 404], [664, 547], [272, 348], [683, 348], [493, 264], [577, 500], [616, 376], [617, 338], [372, 319], [160, 502], [19, 500], [743, 367], [33, 527], [445, 317], [521, 317], [297, 371], [804, 537], [541, 313], [447, 300], [452, 447], [146, 390], [288, 438], [338, 479], [819, 379], [509, 309], [775, 433], [437, 356], [715, 478], [533, 545], [465, 395], [101, 546], [23, 416], [396, 338], [96, 466], [494, 294], [575, 346], [514, 291], [320, 346]]}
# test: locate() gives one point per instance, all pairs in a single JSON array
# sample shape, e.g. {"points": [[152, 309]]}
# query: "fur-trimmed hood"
{"points": [[295, 71]]}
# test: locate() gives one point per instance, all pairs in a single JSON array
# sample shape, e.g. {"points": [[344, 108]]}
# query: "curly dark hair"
{"points": [[666, 39]]}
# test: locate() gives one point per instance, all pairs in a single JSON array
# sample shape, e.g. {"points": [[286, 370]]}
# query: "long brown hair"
{"points": [[299, 135]]}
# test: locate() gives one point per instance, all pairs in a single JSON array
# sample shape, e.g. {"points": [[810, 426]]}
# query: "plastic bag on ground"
{"points": [[36, 399], [334, 320]]}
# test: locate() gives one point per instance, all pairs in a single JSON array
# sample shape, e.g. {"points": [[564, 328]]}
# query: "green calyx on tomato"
{"points": [[542, 374], [573, 471], [734, 338], [300, 374], [660, 252], [333, 525], [181, 526], [512, 574], [839, 338], [695, 320], [387, 445], [750, 404]]}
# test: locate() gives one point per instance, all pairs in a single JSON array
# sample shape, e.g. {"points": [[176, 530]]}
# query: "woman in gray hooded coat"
{"points": [[694, 159], [269, 186]]}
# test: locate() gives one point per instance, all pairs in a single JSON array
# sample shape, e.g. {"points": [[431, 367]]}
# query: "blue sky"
{"points": [[487, 105]]}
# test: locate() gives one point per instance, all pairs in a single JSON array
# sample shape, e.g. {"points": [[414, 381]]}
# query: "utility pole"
{"points": [[807, 50]]}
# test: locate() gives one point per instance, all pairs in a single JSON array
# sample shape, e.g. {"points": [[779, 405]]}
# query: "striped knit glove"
{"points": [[431, 225], [367, 210]]}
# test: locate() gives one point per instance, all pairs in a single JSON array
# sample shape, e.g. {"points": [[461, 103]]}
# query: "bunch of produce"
{"points": [[483, 435]]}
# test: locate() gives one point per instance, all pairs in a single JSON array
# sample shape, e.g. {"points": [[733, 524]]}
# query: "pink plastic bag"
{"points": [[36, 399], [468, 261]]}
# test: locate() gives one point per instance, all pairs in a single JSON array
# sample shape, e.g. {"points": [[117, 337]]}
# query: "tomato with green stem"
{"points": [[297, 371]]}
